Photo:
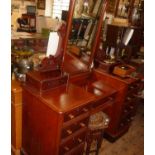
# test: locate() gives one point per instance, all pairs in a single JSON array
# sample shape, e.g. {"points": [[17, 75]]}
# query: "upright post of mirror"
{"points": [[69, 23]]}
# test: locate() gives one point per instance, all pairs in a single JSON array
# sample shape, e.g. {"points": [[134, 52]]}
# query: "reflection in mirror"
{"points": [[84, 28], [123, 8]]}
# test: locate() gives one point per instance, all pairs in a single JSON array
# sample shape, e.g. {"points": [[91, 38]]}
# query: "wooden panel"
{"points": [[16, 117]]}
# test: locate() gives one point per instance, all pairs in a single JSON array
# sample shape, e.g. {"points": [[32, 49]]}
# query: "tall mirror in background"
{"points": [[85, 28]]}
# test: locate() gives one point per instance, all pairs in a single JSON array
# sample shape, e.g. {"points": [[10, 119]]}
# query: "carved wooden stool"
{"points": [[97, 123]]}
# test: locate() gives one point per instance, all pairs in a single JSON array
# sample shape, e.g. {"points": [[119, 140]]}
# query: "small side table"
{"points": [[97, 124]]}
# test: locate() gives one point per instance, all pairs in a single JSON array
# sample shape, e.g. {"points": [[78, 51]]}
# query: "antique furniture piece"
{"points": [[16, 117], [27, 23], [55, 121], [124, 109], [55, 118]]}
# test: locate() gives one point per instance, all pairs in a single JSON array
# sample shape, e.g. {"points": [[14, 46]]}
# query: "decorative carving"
{"points": [[54, 62]]}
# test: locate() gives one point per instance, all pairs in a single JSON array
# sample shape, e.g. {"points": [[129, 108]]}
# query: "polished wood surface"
{"points": [[16, 117], [73, 66]]}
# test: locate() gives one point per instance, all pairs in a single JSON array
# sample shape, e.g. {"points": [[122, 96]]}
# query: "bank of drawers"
{"points": [[75, 125], [130, 105]]}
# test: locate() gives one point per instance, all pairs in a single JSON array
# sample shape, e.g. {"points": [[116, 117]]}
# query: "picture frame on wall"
{"points": [[41, 4]]}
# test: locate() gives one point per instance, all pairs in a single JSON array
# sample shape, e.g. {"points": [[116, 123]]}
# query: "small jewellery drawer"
{"points": [[77, 113]]}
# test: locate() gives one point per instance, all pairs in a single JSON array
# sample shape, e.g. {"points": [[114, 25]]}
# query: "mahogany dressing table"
{"points": [[56, 113]]}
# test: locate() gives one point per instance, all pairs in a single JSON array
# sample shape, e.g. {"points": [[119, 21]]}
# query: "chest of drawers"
{"points": [[124, 109], [56, 122]]}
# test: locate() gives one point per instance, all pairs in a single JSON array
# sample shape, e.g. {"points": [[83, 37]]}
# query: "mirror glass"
{"points": [[84, 28]]}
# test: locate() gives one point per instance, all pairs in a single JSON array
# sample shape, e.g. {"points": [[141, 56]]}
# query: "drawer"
{"points": [[76, 126], [77, 114], [125, 121], [103, 103], [130, 98], [74, 143], [134, 87], [128, 110], [78, 150]]}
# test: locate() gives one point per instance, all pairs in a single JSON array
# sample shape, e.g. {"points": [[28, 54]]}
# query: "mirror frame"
{"points": [[97, 38]]}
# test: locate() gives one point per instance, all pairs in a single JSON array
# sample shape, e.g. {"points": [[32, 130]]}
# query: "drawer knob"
{"points": [[69, 132], [71, 116], [131, 107], [79, 140], [132, 118], [110, 98], [128, 119], [122, 124], [85, 109], [129, 98], [125, 111], [66, 148], [82, 124], [131, 87]]}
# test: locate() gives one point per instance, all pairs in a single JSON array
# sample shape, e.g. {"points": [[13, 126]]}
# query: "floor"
{"points": [[132, 143]]}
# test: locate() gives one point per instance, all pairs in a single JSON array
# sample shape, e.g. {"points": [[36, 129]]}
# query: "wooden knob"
{"points": [[71, 116], [66, 148], [122, 124], [128, 119], [131, 87], [82, 124], [132, 118], [129, 98], [125, 111], [85, 109], [79, 140], [131, 107], [69, 132], [111, 98]]}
